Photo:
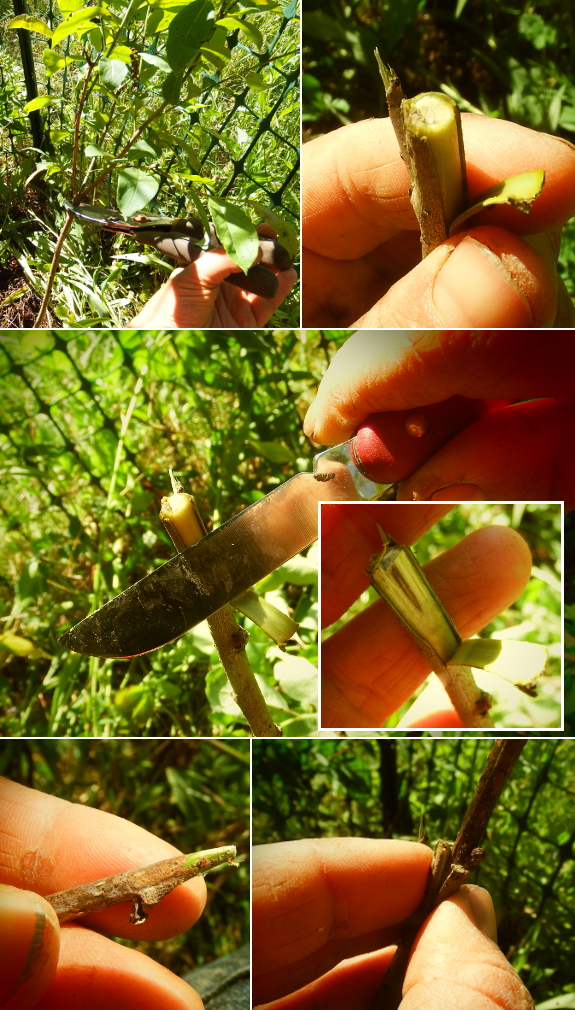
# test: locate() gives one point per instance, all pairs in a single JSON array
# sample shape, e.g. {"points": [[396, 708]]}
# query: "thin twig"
{"points": [[53, 268], [144, 887], [452, 863]]}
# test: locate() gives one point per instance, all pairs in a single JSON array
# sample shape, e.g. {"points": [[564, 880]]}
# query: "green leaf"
{"points": [[123, 53], [290, 11], [304, 725], [53, 62], [112, 73], [519, 191], [154, 21], [257, 82], [93, 151], [32, 24], [172, 87], [297, 677], [135, 189], [156, 61], [285, 233], [235, 231], [143, 147], [79, 20], [39, 103], [275, 452], [520, 663], [253, 33], [218, 55], [190, 28], [69, 6]]}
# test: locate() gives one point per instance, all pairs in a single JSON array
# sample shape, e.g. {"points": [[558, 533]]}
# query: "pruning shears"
{"points": [[180, 238]]}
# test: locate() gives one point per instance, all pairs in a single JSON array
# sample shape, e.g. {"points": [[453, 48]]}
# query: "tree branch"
{"points": [[452, 863]]}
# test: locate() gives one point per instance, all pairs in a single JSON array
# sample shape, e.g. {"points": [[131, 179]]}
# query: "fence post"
{"points": [[29, 75]]}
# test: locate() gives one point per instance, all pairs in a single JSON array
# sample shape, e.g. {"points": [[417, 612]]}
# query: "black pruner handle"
{"points": [[259, 280]]}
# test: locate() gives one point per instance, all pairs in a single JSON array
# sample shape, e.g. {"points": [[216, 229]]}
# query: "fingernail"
{"points": [[482, 910], [474, 289], [29, 947], [459, 492]]}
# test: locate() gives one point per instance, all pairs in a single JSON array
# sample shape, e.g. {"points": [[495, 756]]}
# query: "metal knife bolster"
{"points": [[203, 578]]}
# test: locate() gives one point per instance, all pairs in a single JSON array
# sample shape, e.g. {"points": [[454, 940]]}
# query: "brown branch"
{"points": [[144, 887], [452, 863]]}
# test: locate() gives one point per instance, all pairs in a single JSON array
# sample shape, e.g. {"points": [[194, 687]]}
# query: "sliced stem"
{"points": [[184, 525], [398, 578], [436, 164]]}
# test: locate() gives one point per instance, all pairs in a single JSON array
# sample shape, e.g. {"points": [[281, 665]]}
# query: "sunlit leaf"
{"points": [[235, 231], [156, 61], [135, 189], [32, 24], [79, 20], [39, 103], [191, 27], [519, 191], [285, 233], [112, 73]]}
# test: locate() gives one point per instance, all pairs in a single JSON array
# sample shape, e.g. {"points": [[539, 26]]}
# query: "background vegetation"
{"points": [[163, 123], [509, 61], [381, 789], [534, 617], [194, 794], [79, 524]]}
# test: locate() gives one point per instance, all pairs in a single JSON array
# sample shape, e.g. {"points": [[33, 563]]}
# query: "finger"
{"points": [[456, 962], [355, 186], [481, 277], [94, 972], [524, 452], [370, 666], [29, 947], [352, 983], [317, 901], [350, 536], [51, 845], [393, 371]]}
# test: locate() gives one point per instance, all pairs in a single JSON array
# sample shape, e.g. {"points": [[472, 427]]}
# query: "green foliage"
{"points": [[148, 105], [79, 520], [381, 788], [534, 617], [194, 794]]}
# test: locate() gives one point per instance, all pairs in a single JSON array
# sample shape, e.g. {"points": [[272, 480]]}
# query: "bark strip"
{"points": [[144, 887]]}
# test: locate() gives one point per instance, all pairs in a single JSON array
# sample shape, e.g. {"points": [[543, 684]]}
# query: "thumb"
{"points": [[29, 947], [457, 964], [485, 277]]}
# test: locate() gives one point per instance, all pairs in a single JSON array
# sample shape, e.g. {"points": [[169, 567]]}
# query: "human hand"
{"points": [[370, 666], [523, 452], [323, 909], [49, 845], [195, 295], [362, 253]]}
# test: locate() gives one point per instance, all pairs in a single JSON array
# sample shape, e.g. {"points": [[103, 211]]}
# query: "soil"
{"points": [[21, 313]]}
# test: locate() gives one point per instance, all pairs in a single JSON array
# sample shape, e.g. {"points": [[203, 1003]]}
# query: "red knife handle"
{"points": [[388, 448]]}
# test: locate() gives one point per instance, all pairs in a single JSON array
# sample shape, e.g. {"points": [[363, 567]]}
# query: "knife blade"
{"points": [[184, 591]]}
